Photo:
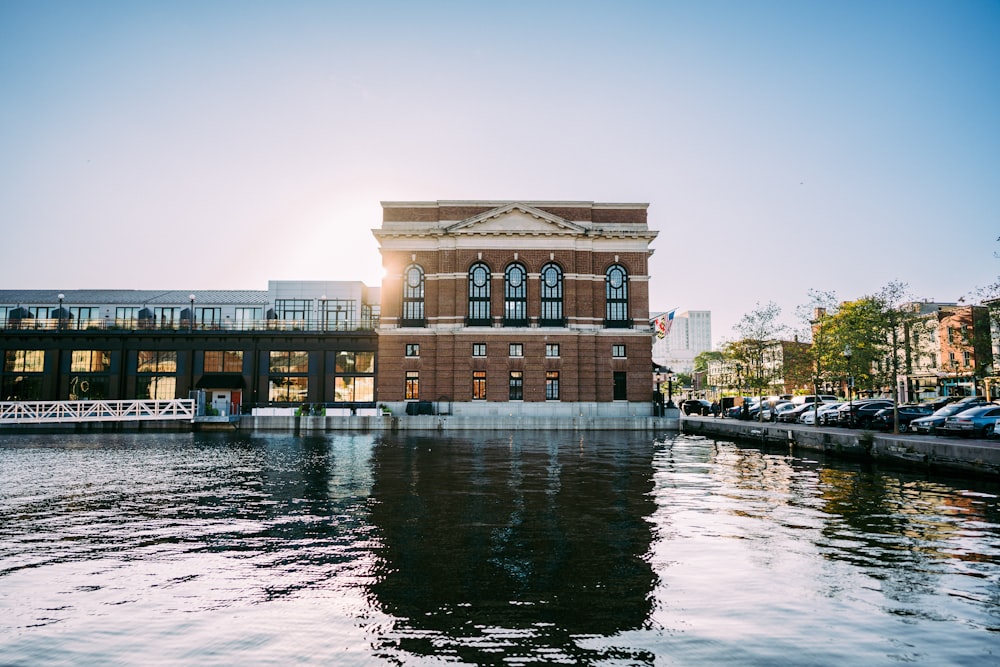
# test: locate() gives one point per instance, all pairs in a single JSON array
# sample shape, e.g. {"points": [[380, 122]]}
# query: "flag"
{"points": [[663, 323]]}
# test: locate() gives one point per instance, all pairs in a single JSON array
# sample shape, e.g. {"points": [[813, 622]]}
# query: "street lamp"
{"points": [[191, 313], [850, 385], [59, 312], [324, 316], [670, 389]]}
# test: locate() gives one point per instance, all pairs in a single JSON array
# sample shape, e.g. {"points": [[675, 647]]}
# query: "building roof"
{"points": [[143, 297]]}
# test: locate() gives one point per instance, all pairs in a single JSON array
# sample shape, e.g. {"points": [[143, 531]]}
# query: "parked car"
{"points": [[792, 416], [776, 411], [813, 398], [980, 421], [697, 406], [935, 420], [883, 419], [823, 412], [859, 413]]}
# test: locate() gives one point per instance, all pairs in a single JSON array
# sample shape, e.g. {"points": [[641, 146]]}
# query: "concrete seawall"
{"points": [[926, 451], [453, 423]]}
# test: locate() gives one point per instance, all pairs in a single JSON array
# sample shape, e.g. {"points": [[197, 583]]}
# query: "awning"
{"points": [[221, 381]]}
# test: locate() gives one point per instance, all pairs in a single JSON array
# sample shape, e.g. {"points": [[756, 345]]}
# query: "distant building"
{"points": [[690, 334], [949, 349], [515, 307]]}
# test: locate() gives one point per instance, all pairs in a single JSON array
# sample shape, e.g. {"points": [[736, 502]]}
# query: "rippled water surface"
{"points": [[526, 549]]}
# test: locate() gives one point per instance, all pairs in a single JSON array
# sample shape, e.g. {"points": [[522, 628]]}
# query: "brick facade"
{"points": [[445, 239]]}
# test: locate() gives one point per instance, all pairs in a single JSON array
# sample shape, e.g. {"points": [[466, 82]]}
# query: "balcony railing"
{"points": [[110, 324]]}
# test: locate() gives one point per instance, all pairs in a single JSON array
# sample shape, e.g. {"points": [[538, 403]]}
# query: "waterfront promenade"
{"points": [[980, 456]]}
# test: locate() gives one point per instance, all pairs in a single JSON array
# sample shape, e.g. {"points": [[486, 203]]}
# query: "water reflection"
{"points": [[531, 548], [512, 546]]}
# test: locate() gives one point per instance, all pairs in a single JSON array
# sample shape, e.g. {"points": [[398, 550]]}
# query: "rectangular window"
{"points": [[516, 350], [126, 317], [156, 387], [293, 309], [224, 361], [355, 362], [479, 385], [288, 389], [967, 358], [618, 351], [166, 317], [157, 361], [620, 388], [39, 312], [552, 385], [24, 361], [208, 317], [90, 361], [354, 389], [413, 349], [479, 349], [247, 314], [288, 362], [412, 390], [552, 349], [81, 315], [338, 314], [516, 386]]}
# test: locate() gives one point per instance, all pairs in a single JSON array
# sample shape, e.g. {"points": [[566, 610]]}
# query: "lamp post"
{"points": [[191, 314], [59, 312], [670, 389], [324, 316], [850, 385]]}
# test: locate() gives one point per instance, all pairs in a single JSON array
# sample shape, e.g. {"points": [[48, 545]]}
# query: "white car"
{"points": [[809, 416]]}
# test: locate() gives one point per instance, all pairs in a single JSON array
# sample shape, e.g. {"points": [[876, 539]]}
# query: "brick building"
{"points": [[501, 307]]}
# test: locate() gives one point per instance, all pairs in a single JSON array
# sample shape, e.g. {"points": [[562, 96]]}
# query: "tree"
{"points": [[702, 359], [757, 350]]}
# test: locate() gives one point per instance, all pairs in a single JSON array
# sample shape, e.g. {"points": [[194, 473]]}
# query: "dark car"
{"points": [[935, 420], [980, 421], [792, 416], [907, 413], [859, 414], [696, 406]]}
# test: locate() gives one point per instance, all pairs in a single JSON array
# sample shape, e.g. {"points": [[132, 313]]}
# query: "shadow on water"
{"points": [[497, 546]]}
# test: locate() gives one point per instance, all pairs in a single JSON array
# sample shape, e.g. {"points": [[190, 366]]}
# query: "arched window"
{"points": [[552, 296], [616, 311], [479, 296], [515, 296], [413, 296]]}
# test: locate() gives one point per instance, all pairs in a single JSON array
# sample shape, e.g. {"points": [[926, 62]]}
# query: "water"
{"points": [[524, 549]]}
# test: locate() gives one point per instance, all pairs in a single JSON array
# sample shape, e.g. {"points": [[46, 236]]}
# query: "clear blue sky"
{"points": [[781, 146]]}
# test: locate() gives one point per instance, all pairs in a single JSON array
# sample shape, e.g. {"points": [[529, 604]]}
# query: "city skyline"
{"points": [[781, 147]]}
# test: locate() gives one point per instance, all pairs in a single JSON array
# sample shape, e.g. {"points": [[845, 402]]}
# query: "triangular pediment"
{"points": [[515, 218]]}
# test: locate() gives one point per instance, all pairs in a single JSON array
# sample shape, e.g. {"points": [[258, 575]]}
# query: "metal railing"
{"points": [[110, 324], [55, 412]]}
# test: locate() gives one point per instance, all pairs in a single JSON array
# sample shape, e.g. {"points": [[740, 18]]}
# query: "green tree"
{"points": [[756, 350]]}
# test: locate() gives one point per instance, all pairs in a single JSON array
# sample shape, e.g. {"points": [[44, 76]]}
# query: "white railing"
{"points": [[54, 412]]}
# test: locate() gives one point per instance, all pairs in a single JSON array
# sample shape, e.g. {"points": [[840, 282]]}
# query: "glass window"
{"points": [[479, 295], [126, 316], [479, 385], [248, 314], [552, 295], [552, 385], [22, 387], [479, 349], [157, 361], [288, 389], [24, 361], [166, 317], [208, 317], [516, 392], [288, 362], [224, 361], [354, 389], [156, 387], [413, 296], [293, 309], [618, 351], [90, 361], [516, 296], [338, 314], [413, 349], [616, 295], [355, 362], [412, 391], [552, 349], [516, 350]]}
